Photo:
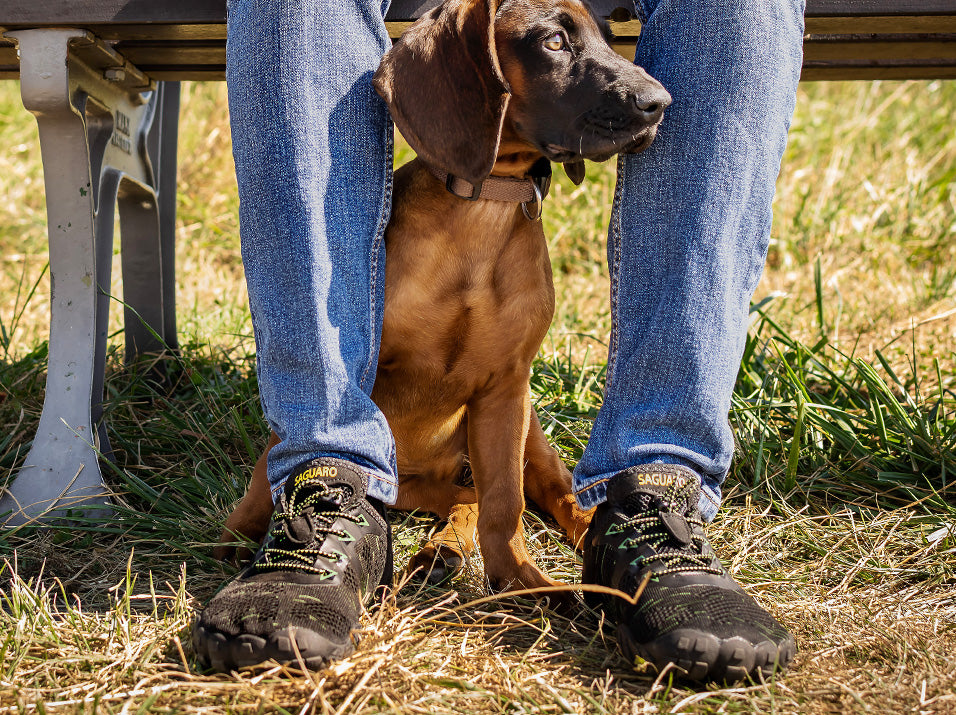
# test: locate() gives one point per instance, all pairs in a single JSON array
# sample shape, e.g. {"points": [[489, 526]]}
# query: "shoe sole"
{"points": [[705, 657], [224, 653]]}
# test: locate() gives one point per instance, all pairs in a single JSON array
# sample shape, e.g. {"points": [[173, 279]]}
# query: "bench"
{"points": [[102, 77]]}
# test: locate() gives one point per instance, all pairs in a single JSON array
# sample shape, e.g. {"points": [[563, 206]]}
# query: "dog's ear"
{"points": [[575, 171], [445, 90]]}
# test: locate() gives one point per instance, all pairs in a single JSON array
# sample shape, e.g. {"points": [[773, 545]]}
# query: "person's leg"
{"points": [[689, 235], [686, 246], [312, 144]]}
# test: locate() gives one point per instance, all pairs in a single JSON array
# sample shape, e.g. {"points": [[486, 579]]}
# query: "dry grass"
{"points": [[853, 547], [876, 625]]}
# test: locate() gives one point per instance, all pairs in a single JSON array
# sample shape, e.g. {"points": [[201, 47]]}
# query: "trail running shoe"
{"points": [[691, 612], [326, 550]]}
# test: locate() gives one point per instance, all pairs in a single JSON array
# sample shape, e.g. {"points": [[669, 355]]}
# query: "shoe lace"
{"points": [[278, 554], [672, 529]]}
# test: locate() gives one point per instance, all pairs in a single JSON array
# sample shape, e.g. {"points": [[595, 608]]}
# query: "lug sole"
{"points": [[224, 653], [701, 657]]}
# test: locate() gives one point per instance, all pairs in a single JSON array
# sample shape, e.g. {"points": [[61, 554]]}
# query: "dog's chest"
{"points": [[465, 300], [470, 317]]}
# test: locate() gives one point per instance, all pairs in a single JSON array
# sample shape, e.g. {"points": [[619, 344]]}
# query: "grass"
{"points": [[840, 514]]}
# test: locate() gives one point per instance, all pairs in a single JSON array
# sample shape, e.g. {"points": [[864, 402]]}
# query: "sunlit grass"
{"points": [[840, 510]]}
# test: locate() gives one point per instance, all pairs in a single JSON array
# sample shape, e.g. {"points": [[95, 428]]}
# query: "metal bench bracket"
{"points": [[102, 146]]}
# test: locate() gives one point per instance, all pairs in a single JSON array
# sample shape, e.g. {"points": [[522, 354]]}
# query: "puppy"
{"points": [[487, 92]]}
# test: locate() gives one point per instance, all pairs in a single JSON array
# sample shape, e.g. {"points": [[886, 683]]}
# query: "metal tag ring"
{"points": [[537, 204]]}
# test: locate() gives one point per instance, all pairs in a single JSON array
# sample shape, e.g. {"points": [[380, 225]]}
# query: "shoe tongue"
{"points": [[317, 486], [670, 489], [321, 473]]}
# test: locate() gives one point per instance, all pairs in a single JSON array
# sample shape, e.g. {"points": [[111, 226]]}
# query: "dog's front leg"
{"points": [[497, 430]]}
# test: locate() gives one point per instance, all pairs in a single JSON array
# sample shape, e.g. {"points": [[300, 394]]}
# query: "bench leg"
{"points": [[148, 230], [61, 468], [95, 141], [164, 135], [142, 260]]}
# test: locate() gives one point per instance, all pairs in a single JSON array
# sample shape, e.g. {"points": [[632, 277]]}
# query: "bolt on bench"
{"points": [[101, 77]]}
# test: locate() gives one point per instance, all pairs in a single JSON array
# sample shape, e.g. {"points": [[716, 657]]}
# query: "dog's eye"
{"points": [[555, 43]]}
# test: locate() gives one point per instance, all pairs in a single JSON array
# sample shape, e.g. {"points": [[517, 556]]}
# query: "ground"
{"points": [[839, 514]]}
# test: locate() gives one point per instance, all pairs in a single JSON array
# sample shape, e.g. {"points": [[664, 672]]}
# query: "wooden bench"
{"points": [[102, 77]]}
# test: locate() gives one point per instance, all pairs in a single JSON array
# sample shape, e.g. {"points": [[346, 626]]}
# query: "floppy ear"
{"points": [[575, 171], [445, 90]]}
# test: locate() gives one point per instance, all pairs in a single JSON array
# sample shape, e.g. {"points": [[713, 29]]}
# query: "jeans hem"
{"points": [[595, 492], [380, 485]]}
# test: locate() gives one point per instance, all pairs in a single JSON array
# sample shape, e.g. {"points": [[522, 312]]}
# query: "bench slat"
{"points": [[191, 12], [849, 8], [185, 39], [915, 49]]}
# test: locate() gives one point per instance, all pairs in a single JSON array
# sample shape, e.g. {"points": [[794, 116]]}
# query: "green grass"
{"points": [[840, 514]]}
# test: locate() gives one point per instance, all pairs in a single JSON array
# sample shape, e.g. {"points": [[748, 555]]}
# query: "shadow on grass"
{"points": [[815, 428], [818, 431]]}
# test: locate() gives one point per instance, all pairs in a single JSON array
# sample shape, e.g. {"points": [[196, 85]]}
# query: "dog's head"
{"points": [[543, 69]]}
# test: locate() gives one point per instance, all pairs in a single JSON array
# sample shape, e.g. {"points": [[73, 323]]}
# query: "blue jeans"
{"points": [[689, 233], [686, 246], [313, 149]]}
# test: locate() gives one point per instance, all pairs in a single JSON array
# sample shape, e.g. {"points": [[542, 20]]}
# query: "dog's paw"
{"points": [[232, 550], [225, 552], [578, 525], [529, 577], [435, 564]]}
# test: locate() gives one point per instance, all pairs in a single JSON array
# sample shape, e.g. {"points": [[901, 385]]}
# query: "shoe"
{"points": [[691, 612], [327, 548]]}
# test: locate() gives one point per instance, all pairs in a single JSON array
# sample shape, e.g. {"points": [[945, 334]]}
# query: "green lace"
{"points": [[674, 560], [275, 558]]}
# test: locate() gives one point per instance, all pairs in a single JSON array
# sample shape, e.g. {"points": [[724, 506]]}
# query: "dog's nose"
{"points": [[650, 104]]}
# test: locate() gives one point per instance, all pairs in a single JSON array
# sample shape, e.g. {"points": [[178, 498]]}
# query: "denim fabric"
{"points": [[313, 153], [689, 234], [687, 240]]}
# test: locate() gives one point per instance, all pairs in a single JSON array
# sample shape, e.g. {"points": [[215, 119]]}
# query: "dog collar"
{"points": [[529, 191]]}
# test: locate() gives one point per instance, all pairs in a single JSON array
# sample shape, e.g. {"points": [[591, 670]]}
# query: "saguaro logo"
{"points": [[656, 479], [321, 472]]}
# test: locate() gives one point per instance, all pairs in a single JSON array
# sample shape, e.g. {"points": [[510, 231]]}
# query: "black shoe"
{"points": [[327, 549], [691, 612]]}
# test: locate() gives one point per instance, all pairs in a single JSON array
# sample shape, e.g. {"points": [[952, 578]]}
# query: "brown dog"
{"points": [[479, 88]]}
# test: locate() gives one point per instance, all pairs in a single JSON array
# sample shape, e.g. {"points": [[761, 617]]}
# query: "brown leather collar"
{"points": [[529, 191]]}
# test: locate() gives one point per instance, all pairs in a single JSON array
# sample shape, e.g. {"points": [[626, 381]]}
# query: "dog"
{"points": [[487, 93]]}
